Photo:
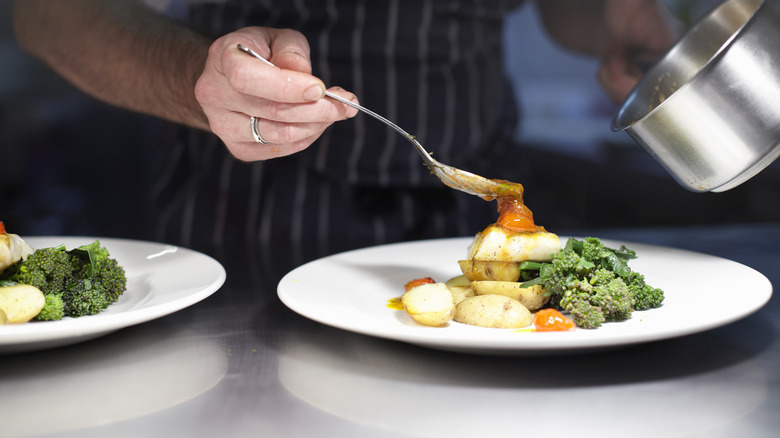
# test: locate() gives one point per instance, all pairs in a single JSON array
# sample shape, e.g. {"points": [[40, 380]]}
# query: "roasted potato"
{"points": [[21, 302], [492, 311], [457, 281], [532, 297], [460, 287], [429, 304], [478, 270]]}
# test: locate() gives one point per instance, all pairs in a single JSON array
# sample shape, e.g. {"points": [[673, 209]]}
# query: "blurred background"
{"points": [[65, 156]]}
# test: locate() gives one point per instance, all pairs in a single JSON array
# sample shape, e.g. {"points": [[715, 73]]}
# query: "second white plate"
{"points": [[350, 291], [161, 279]]}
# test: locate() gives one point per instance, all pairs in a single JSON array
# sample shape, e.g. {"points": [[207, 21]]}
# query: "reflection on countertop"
{"points": [[414, 392], [126, 375]]}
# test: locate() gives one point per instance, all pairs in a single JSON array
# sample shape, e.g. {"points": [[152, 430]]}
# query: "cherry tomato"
{"points": [[551, 320], [417, 282], [2, 228]]}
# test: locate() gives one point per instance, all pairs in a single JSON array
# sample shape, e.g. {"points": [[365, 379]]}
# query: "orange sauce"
{"points": [[513, 215], [551, 320]]}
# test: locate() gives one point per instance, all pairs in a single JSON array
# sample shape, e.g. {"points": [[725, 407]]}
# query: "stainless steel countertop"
{"points": [[241, 364]]}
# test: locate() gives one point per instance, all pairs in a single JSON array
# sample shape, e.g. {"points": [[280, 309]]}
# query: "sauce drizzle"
{"points": [[513, 215]]}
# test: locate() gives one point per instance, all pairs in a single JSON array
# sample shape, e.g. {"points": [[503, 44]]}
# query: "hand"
{"points": [[286, 99], [638, 33]]}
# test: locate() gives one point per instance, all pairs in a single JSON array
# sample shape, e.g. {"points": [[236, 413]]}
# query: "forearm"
{"points": [[119, 52]]}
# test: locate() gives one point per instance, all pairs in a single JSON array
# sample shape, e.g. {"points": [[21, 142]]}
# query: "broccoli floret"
{"points": [[644, 296], [601, 276], [85, 279], [616, 260], [594, 283], [97, 281], [565, 260], [47, 269], [564, 271], [648, 298], [582, 311], [110, 278], [82, 298], [594, 250], [571, 262], [614, 300], [590, 306], [53, 308]]}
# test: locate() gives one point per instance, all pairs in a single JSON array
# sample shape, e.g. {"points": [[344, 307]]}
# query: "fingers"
{"points": [[251, 150], [320, 111], [285, 98], [252, 77], [620, 70], [237, 132], [615, 76], [289, 80], [236, 128], [286, 128]]}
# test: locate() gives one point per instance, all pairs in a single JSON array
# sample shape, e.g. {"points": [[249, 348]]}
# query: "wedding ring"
{"points": [[255, 133]]}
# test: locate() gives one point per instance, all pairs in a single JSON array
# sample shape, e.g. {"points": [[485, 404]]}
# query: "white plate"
{"points": [[350, 291], [161, 279]]}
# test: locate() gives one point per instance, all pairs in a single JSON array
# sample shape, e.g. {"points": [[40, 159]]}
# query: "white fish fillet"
{"points": [[12, 249], [499, 245]]}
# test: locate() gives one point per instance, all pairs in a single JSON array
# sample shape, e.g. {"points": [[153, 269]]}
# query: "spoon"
{"points": [[451, 176]]}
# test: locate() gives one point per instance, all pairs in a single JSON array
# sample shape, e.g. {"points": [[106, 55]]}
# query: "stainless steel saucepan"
{"points": [[709, 110]]}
